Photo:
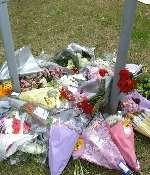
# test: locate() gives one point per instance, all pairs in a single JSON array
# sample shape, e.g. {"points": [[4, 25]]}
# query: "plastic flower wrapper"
{"points": [[114, 118], [63, 136], [75, 53], [41, 116], [134, 68], [97, 91], [26, 63], [4, 107], [72, 80], [11, 142], [123, 136], [35, 150], [74, 84], [129, 105], [19, 131], [107, 61], [141, 122], [38, 148], [44, 61], [141, 101], [14, 132], [96, 72], [46, 97], [90, 86], [93, 72], [99, 148]]}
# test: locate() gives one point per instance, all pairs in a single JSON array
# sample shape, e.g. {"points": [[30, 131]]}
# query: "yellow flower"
{"points": [[126, 122], [79, 143], [5, 88]]}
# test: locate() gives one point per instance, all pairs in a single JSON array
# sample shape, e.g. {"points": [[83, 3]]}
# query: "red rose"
{"points": [[103, 72], [124, 74], [125, 89], [126, 85], [131, 84]]}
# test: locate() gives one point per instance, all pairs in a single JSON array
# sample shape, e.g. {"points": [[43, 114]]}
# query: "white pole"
{"points": [[5, 30], [128, 20]]}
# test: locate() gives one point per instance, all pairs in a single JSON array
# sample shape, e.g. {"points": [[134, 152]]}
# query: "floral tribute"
{"points": [[126, 84], [82, 104]]}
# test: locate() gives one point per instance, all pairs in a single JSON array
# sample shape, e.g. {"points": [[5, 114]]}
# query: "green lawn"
{"points": [[52, 24]]}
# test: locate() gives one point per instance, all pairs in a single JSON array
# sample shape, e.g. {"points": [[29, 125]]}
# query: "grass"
{"points": [[52, 24]]}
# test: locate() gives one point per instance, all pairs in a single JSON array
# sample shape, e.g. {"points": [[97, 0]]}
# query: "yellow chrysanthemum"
{"points": [[5, 88]]}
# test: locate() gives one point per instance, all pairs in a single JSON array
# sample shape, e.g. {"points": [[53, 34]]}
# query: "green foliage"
{"points": [[143, 85]]}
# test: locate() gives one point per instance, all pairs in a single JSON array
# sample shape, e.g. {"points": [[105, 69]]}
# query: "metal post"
{"points": [[8, 45], [128, 19]]}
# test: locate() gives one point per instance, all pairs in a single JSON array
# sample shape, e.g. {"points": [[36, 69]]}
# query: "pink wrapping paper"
{"points": [[99, 147], [124, 139]]}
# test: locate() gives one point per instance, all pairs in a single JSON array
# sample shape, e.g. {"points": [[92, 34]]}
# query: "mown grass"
{"points": [[52, 24]]}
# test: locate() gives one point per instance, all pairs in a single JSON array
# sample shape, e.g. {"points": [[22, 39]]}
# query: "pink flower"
{"points": [[16, 125]]}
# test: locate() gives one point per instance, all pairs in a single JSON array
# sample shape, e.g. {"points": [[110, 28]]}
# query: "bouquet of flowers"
{"points": [[143, 102], [141, 122], [123, 136], [19, 132], [64, 134], [42, 79], [75, 54], [96, 146], [47, 97]]}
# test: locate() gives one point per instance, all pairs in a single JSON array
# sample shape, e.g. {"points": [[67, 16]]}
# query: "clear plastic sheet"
{"points": [[74, 119], [85, 51], [4, 107], [26, 64], [40, 115]]}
